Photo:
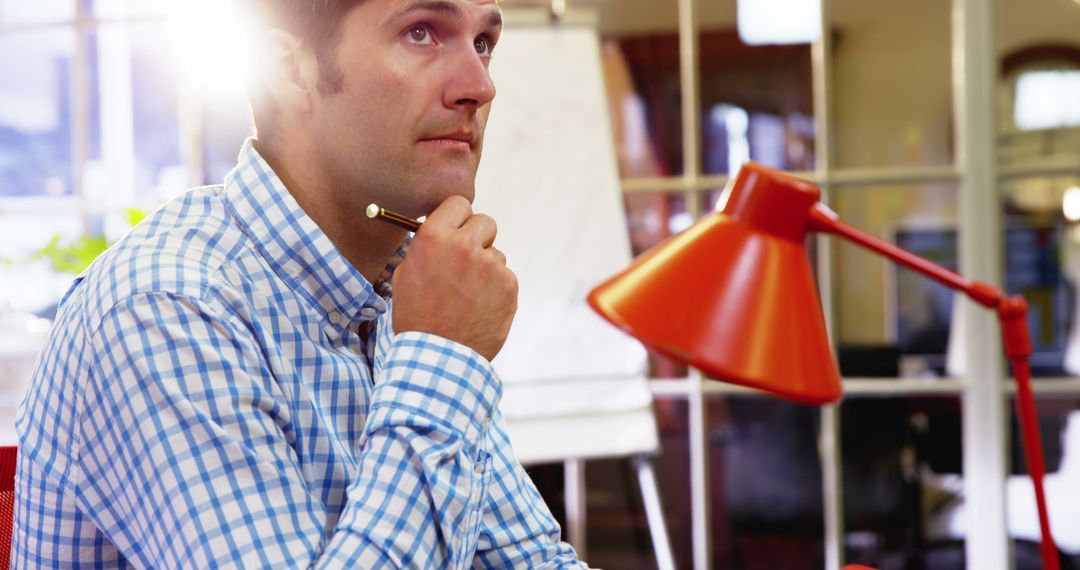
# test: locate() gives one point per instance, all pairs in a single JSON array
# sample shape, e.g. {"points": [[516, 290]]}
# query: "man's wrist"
{"points": [[440, 379]]}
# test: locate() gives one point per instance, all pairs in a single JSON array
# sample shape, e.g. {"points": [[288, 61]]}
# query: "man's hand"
{"points": [[453, 283]]}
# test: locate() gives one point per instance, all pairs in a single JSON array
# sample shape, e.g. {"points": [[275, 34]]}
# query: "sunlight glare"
{"points": [[210, 45]]}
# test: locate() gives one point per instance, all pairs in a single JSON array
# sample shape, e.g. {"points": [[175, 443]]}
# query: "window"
{"points": [[878, 119], [36, 128], [104, 116], [1047, 99], [99, 116]]}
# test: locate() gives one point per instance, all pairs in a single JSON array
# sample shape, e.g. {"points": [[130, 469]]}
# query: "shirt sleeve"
{"points": [[518, 529], [187, 450], [425, 472]]}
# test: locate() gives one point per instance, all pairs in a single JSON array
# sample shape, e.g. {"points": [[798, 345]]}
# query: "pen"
{"points": [[375, 212]]}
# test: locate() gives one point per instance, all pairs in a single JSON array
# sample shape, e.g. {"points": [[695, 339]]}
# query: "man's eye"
{"points": [[483, 46], [419, 34]]}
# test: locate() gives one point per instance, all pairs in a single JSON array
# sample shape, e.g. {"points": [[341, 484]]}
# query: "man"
{"points": [[229, 386]]}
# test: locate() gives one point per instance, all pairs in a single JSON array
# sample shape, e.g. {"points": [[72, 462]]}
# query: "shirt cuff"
{"points": [[439, 379]]}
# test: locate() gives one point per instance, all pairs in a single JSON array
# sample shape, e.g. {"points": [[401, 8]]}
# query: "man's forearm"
{"points": [[418, 497]]}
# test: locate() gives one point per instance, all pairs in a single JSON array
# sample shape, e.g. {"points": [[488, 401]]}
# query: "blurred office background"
{"points": [[949, 127]]}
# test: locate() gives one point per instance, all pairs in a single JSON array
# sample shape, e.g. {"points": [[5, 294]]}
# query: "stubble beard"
{"points": [[412, 189]]}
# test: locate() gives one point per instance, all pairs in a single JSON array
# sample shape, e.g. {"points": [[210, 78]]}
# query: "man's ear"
{"points": [[288, 71]]}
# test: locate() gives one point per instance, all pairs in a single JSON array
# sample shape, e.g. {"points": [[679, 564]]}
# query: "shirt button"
{"points": [[335, 317]]}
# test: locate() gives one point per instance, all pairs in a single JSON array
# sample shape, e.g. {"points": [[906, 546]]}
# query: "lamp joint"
{"points": [[1012, 312]]}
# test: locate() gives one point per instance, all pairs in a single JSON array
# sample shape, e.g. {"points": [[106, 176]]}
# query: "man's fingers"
{"points": [[481, 229], [452, 213]]}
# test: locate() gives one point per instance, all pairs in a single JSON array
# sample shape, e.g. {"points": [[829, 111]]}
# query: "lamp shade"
{"points": [[734, 295]]}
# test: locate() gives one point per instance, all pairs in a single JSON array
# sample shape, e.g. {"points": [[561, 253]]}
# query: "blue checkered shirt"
{"points": [[222, 389]]}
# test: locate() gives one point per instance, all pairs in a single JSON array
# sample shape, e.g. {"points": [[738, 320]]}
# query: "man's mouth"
{"points": [[462, 139]]}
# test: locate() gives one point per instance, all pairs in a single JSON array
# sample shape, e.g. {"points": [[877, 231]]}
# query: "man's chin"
{"points": [[442, 186], [425, 201], [444, 195]]}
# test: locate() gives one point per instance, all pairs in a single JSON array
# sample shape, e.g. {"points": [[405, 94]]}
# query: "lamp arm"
{"points": [[822, 219], [1012, 314]]}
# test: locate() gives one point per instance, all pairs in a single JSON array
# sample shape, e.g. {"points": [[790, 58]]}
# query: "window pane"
{"points": [[709, 200], [756, 101], [1059, 424], [1036, 39], [617, 529], [127, 8], [214, 74], [766, 493], [23, 12], [883, 309], [1052, 131], [36, 113], [641, 75], [901, 463], [28, 285], [892, 83], [1039, 117], [652, 217], [765, 490], [1047, 99], [226, 123], [1042, 263], [135, 148]]}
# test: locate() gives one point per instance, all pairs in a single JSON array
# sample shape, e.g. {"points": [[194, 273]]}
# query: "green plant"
{"points": [[75, 256], [71, 257]]}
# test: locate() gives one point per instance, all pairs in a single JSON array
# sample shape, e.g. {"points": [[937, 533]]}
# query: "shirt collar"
{"points": [[297, 248]]}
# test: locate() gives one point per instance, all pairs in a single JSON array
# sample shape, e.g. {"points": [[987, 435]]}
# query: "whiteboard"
{"points": [[549, 178]]}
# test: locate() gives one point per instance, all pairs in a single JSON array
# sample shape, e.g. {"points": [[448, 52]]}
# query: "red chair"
{"points": [[8, 457]]}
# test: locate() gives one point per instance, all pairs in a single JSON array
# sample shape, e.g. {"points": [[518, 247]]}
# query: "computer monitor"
{"points": [[1032, 268]]}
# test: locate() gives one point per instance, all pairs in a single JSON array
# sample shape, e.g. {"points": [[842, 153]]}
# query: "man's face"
{"points": [[406, 128]]}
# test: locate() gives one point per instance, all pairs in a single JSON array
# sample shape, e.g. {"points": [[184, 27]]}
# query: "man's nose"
{"points": [[469, 83]]}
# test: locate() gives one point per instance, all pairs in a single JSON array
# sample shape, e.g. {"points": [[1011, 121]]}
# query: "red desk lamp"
{"points": [[734, 296]]}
